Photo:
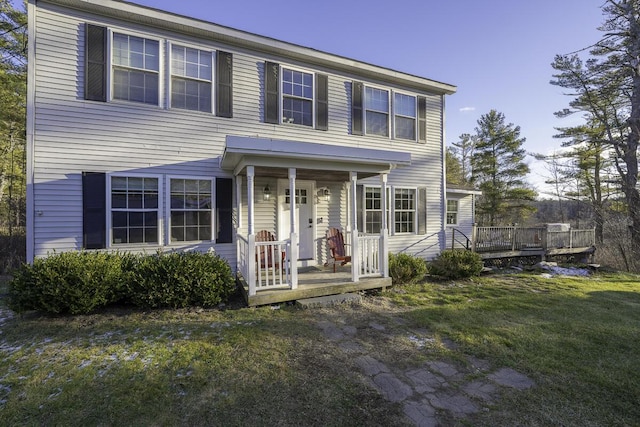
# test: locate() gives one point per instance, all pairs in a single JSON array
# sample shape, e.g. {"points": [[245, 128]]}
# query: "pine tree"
{"points": [[499, 171], [454, 168]]}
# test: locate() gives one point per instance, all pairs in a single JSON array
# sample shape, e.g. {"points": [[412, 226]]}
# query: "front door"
{"points": [[305, 227]]}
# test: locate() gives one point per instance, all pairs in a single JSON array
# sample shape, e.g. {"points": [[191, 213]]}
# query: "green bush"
{"points": [[456, 264], [405, 269], [181, 280], [81, 282], [69, 282]]}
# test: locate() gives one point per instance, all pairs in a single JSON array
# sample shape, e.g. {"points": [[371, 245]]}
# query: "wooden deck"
{"points": [[314, 282]]}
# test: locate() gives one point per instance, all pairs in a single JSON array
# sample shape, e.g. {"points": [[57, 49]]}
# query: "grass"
{"points": [[578, 338]]}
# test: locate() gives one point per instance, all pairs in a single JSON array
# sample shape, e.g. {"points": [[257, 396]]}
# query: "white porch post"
{"points": [[293, 253], [251, 232], [355, 261], [384, 234]]}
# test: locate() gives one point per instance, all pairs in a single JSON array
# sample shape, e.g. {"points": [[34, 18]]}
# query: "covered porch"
{"points": [[293, 192]]}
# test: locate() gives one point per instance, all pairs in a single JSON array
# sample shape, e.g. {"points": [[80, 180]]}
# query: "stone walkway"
{"points": [[432, 393]]}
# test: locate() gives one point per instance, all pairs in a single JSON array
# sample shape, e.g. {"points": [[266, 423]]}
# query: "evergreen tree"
{"points": [[463, 150], [454, 168], [13, 82], [606, 90], [499, 171]]}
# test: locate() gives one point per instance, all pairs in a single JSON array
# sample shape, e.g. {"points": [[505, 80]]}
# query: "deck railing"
{"points": [[510, 238], [262, 275], [369, 255]]}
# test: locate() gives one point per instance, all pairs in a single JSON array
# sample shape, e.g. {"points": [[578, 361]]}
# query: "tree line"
{"points": [[594, 171]]}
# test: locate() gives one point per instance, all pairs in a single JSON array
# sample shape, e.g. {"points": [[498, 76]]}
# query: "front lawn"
{"points": [[577, 338]]}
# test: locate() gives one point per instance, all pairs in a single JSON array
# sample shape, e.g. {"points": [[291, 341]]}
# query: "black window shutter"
{"points": [[272, 92], [422, 210], [224, 83], [422, 119], [322, 102], [95, 65], [94, 210], [224, 208], [356, 108]]}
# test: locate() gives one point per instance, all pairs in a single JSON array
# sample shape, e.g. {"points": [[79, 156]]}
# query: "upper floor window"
{"points": [[376, 104], [405, 210], [297, 97], [404, 109], [452, 212], [136, 68], [191, 78]]}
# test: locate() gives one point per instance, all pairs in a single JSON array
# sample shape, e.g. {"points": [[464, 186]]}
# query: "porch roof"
{"points": [[311, 160]]}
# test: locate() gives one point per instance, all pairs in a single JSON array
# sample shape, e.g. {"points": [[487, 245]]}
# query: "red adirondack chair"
{"points": [[265, 253], [335, 241]]}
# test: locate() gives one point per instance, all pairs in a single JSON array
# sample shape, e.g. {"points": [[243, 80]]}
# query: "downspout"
{"points": [[31, 97]]}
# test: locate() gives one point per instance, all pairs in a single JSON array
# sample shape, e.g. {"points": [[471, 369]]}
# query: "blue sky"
{"points": [[497, 52]]}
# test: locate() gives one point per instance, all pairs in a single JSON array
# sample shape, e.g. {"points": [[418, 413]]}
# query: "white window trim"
{"points": [[167, 211], [389, 112], [385, 210], [161, 69], [282, 95], [415, 118], [457, 212], [159, 209], [168, 76], [393, 209]]}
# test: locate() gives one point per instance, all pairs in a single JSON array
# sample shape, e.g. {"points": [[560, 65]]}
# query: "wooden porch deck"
{"points": [[314, 282]]}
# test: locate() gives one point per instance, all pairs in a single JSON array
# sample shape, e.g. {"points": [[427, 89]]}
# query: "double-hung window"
{"points": [[405, 210], [136, 68], [452, 212], [297, 97], [134, 210], [191, 78], [376, 104], [191, 209], [404, 109], [372, 210]]}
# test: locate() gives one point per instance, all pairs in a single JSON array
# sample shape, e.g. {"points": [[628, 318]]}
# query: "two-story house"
{"points": [[149, 130]]}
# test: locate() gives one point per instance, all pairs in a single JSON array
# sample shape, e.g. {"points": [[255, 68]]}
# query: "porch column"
{"points": [[293, 253], [251, 253], [355, 261], [384, 234]]}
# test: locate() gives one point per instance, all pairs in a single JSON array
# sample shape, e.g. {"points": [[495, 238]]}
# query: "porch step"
{"points": [[329, 300]]}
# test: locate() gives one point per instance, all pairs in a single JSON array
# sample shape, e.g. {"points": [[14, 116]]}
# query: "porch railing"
{"points": [[369, 255], [497, 239], [259, 273]]}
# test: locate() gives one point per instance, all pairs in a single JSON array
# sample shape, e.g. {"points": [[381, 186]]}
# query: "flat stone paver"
{"points": [[507, 377], [421, 413], [377, 326], [371, 366], [425, 381], [330, 330], [391, 387], [480, 390], [457, 404], [445, 369], [351, 347]]}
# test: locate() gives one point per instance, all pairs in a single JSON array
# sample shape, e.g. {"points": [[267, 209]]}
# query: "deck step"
{"points": [[329, 300]]}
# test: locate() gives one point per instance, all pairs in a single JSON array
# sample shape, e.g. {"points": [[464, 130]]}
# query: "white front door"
{"points": [[305, 224]]}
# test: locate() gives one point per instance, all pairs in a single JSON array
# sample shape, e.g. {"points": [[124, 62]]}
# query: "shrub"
{"points": [[456, 264], [81, 282], [69, 282], [181, 280], [405, 268]]}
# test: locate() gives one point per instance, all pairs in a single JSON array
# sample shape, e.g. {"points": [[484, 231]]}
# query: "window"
{"points": [[134, 210], [191, 76], [135, 69], [191, 213], [404, 109], [452, 212], [301, 196], [405, 210], [372, 210], [376, 104], [297, 97]]}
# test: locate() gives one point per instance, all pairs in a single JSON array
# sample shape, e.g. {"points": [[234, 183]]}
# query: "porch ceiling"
{"points": [[312, 161]]}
